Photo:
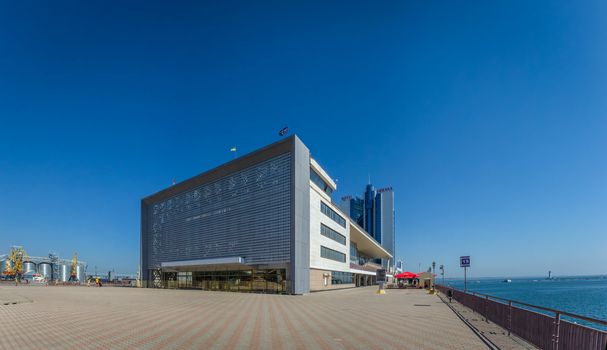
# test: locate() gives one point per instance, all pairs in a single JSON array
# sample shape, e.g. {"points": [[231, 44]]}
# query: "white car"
{"points": [[33, 278]]}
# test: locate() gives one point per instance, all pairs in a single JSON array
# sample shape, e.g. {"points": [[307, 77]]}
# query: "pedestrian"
{"points": [[450, 294]]}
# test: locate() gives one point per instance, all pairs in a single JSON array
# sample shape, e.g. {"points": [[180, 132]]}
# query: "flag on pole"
{"points": [[174, 181], [283, 131]]}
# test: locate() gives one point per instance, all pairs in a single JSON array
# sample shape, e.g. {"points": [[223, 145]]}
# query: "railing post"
{"points": [[486, 308], [556, 329], [509, 316]]}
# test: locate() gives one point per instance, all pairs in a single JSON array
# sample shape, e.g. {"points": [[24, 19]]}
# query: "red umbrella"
{"points": [[407, 275]]}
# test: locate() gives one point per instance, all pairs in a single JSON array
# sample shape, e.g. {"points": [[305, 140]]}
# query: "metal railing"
{"points": [[542, 330]]}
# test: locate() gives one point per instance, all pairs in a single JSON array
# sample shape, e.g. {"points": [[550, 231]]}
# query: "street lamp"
{"points": [[433, 271], [442, 269]]}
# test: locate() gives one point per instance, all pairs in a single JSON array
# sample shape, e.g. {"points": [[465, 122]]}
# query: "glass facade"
{"points": [[370, 212], [353, 253], [244, 213], [265, 281], [357, 211], [334, 235], [377, 219], [320, 182], [338, 277], [332, 214], [329, 253], [356, 257], [363, 259]]}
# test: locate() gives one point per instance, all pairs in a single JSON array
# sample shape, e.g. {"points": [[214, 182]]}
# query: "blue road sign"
{"points": [[464, 261]]}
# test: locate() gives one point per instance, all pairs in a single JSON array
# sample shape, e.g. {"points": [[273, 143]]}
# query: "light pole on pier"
{"points": [[433, 273]]}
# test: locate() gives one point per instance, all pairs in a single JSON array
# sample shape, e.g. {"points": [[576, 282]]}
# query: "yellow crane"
{"points": [[14, 262], [73, 270]]}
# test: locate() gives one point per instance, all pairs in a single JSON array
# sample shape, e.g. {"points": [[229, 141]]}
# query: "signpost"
{"points": [[464, 261], [380, 276]]}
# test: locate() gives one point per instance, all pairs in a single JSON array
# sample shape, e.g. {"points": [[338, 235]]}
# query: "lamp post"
{"points": [[442, 269], [433, 271]]}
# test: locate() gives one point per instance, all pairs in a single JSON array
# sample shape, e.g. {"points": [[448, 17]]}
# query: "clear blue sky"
{"points": [[489, 119]]}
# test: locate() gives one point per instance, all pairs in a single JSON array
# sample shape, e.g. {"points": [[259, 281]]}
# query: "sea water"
{"points": [[581, 295]]}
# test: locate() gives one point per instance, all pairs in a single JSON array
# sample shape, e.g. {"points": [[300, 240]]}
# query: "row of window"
{"points": [[341, 277], [332, 214], [320, 182], [334, 235], [328, 253]]}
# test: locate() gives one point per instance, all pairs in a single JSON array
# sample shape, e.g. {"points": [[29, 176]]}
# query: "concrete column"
{"points": [[300, 218]]}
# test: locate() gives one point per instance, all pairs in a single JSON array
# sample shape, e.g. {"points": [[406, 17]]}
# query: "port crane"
{"points": [[14, 262], [73, 270]]}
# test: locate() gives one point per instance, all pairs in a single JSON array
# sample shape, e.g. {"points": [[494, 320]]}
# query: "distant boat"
{"points": [[507, 281]]}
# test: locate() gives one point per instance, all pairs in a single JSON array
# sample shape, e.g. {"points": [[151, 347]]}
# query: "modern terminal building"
{"points": [[262, 222]]}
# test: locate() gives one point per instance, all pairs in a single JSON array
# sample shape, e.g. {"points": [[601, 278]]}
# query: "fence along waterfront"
{"points": [[543, 331]]}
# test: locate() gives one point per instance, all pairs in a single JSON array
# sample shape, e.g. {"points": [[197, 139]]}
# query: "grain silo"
{"points": [[29, 266], [46, 270]]}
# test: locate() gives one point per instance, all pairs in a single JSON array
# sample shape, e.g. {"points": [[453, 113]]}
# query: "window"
{"points": [[320, 182], [332, 214], [353, 253], [338, 277], [334, 235], [332, 254]]}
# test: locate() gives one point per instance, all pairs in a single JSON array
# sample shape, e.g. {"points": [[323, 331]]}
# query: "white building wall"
{"points": [[316, 239]]}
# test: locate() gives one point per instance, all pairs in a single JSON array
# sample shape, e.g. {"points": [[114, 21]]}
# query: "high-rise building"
{"points": [[355, 208], [375, 213]]}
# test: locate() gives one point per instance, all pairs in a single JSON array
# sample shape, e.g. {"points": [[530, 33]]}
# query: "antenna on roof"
{"points": [[368, 183]]}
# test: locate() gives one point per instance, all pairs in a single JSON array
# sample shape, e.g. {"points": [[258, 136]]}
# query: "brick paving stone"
{"points": [[71, 317]]}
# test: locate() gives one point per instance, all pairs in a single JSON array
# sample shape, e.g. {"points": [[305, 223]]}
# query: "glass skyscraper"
{"points": [[375, 213], [355, 208]]}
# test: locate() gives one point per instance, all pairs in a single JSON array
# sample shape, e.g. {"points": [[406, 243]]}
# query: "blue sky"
{"points": [[489, 120]]}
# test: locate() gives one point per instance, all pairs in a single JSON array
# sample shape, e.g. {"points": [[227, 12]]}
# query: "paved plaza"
{"points": [[129, 318]]}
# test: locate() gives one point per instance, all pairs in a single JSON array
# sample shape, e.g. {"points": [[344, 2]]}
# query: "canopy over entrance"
{"points": [[407, 275]]}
